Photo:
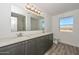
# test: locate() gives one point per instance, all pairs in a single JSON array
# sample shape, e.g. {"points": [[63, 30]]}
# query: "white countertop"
{"points": [[8, 41]]}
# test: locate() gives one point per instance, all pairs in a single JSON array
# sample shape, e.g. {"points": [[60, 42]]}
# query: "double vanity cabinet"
{"points": [[34, 46]]}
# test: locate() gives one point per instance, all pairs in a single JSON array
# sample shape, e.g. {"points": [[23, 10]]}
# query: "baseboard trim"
{"points": [[68, 44]]}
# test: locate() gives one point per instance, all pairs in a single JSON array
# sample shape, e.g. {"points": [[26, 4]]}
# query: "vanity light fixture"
{"points": [[32, 8]]}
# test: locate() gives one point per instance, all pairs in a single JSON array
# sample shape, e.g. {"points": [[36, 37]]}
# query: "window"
{"points": [[66, 24]]}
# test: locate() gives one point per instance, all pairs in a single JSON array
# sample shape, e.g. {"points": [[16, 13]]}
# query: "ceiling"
{"points": [[55, 8]]}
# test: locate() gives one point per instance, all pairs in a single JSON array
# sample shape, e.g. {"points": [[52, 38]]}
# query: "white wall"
{"points": [[5, 29], [71, 38], [5, 26], [48, 22], [4, 18]]}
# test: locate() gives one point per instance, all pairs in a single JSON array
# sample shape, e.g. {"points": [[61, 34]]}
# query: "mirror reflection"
{"points": [[25, 22], [17, 22]]}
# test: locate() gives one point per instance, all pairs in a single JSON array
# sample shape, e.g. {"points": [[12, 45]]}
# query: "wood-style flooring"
{"points": [[62, 49]]}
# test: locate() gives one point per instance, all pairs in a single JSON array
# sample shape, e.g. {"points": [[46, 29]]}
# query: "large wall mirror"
{"points": [[21, 20]]}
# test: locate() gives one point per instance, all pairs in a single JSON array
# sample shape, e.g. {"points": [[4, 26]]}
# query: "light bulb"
{"points": [[38, 11], [32, 8], [28, 6]]}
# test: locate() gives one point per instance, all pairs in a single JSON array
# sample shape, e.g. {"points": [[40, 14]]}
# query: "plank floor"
{"points": [[62, 49]]}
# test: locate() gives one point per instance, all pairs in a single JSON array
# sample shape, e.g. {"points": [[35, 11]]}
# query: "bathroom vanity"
{"points": [[29, 44], [32, 45]]}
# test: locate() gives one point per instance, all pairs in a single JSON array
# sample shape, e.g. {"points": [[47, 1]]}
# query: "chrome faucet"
{"points": [[43, 30], [19, 35]]}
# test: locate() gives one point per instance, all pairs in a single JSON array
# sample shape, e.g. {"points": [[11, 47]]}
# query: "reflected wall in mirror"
{"points": [[36, 23], [17, 22], [13, 24]]}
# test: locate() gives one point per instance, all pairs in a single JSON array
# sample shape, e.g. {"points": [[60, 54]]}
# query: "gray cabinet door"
{"points": [[14, 49], [40, 45], [31, 47], [20, 49], [50, 39], [47, 42]]}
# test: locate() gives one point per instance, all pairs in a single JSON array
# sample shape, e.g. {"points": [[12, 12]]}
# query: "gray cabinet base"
{"points": [[35, 46]]}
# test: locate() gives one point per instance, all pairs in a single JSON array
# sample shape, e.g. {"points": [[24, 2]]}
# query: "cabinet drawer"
{"points": [[13, 49]]}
